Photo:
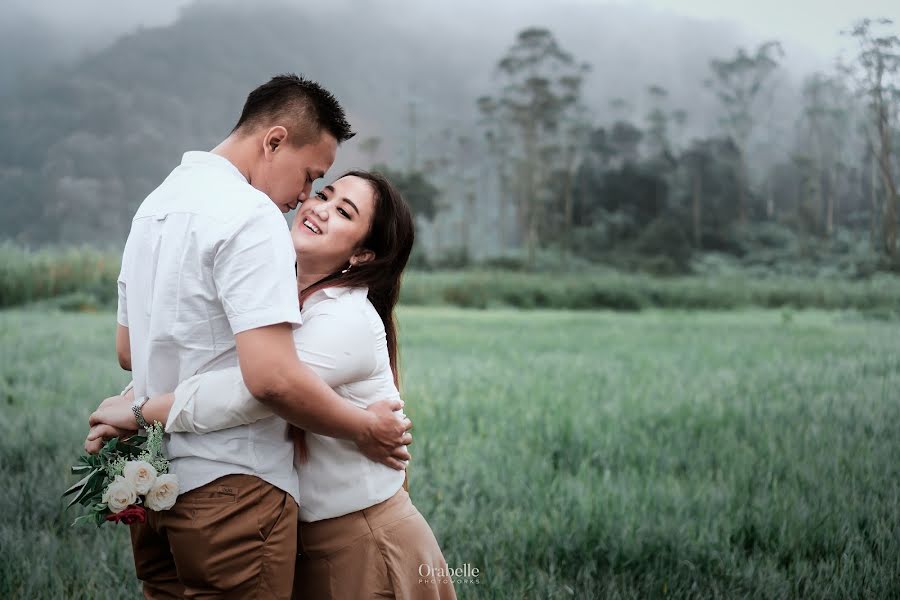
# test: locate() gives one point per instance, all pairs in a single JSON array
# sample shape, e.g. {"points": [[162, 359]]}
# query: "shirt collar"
{"points": [[208, 159], [334, 292]]}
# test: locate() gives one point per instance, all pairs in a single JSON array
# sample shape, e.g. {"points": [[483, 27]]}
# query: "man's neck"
{"points": [[234, 152]]}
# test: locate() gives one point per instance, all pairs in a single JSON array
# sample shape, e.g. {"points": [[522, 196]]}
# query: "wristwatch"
{"points": [[136, 407]]}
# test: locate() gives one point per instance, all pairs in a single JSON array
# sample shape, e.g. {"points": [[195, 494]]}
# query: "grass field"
{"points": [[565, 455]]}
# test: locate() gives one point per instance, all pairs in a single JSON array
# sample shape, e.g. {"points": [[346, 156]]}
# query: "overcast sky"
{"points": [[808, 26], [813, 24]]}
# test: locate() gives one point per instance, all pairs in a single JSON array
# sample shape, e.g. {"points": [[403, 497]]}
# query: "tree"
{"points": [[824, 125], [740, 83], [498, 141], [370, 147], [658, 122], [878, 78], [538, 101], [416, 189], [708, 163], [625, 143]]}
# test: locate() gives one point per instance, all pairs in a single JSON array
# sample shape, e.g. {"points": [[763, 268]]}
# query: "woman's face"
{"points": [[329, 227]]}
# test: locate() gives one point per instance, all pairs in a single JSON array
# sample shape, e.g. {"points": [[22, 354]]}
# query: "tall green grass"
{"points": [[84, 279], [75, 277], [631, 292], [747, 454]]}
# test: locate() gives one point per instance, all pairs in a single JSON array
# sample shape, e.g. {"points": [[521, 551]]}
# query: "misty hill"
{"points": [[82, 144]]}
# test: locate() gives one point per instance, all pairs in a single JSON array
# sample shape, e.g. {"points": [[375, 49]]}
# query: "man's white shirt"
{"points": [[208, 256]]}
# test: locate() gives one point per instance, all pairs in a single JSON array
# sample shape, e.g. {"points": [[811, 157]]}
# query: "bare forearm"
{"points": [[158, 407]]}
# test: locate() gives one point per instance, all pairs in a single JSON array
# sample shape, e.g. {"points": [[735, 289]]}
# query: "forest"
{"points": [[546, 155]]}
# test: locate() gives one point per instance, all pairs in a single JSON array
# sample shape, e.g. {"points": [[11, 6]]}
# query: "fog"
{"points": [[119, 90]]}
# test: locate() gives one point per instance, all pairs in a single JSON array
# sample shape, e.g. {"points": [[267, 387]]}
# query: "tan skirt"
{"points": [[377, 552]]}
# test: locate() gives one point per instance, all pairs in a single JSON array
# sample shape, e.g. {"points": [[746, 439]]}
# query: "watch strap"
{"points": [[136, 407]]}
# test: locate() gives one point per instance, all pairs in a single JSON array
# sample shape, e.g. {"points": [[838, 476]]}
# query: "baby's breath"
{"points": [[154, 442], [153, 453], [116, 467]]}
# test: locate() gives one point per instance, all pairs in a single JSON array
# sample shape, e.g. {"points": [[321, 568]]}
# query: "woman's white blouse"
{"points": [[343, 340]]}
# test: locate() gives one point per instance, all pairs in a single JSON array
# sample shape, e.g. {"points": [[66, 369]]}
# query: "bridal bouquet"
{"points": [[125, 479]]}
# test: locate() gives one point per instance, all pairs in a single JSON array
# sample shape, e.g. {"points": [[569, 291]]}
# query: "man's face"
{"points": [[289, 171]]}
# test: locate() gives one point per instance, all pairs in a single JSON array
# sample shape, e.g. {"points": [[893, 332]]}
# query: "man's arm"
{"points": [[274, 374], [254, 275], [123, 347], [339, 346]]}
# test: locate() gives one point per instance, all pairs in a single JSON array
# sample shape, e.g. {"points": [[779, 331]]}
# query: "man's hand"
{"points": [[387, 435], [113, 418], [100, 433], [115, 411]]}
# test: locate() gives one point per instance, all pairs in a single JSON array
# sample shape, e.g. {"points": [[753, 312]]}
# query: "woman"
{"points": [[359, 534]]}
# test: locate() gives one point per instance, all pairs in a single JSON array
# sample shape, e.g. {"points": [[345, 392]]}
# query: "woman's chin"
{"points": [[303, 242]]}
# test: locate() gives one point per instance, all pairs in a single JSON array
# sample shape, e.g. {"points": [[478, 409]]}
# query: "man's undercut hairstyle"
{"points": [[300, 105]]}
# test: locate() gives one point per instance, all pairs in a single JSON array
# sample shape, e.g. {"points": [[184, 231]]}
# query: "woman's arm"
{"points": [[207, 402], [339, 348], [338, 345], [225, 400]]}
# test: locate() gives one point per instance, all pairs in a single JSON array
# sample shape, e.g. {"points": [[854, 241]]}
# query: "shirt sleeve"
{"points": [[122, 310], [254, 273], [212, 401], [336, 342]]}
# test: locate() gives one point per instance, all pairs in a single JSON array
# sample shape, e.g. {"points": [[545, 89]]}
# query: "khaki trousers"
{"points": [[377, 552], [235, 537]]}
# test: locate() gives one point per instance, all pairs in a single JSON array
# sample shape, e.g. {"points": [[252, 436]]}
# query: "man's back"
{"points": [[208, 256]]}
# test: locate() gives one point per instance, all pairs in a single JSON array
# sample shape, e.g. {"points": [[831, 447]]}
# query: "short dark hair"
{"points": [[300, 105]]}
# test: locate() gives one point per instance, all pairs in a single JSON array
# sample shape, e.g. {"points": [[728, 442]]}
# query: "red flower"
{"points": [[132, 514]]}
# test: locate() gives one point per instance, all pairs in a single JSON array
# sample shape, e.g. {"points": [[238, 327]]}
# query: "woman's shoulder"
{"points": [[349, 308]]}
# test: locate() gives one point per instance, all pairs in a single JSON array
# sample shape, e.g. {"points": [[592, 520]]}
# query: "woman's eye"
{"points": [[321, 196], [344, 212]]}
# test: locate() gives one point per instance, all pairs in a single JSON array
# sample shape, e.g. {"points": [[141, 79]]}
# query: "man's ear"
{"points": [[362, 257], [275, 138]]}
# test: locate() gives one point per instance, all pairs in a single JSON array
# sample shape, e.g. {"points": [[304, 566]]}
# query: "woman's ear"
{"points": [[362, 257]]}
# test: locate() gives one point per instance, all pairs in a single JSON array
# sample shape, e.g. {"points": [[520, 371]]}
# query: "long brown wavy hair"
{"points": [[391, 238]]}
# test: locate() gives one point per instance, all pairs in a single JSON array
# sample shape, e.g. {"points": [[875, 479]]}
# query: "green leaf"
{"points": [[110, 446], [83, 519], [94, 481], [78, 485]]}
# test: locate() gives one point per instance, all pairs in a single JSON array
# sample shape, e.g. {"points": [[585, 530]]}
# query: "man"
{"points": [[208, 282]]}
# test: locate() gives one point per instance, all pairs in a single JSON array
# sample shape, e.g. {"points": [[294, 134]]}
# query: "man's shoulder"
{"points": [[210, 197]]}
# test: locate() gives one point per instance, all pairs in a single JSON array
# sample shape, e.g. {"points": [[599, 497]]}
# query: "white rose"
{"points": [[119, 494], [140, 474], [163, 493]]}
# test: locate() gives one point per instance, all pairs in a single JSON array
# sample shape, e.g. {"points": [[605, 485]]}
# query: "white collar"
{"points": [[196, 157], [334, 292]]}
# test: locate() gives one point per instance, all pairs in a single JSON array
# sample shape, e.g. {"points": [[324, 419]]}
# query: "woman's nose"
{"points": [[322, 213]]}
